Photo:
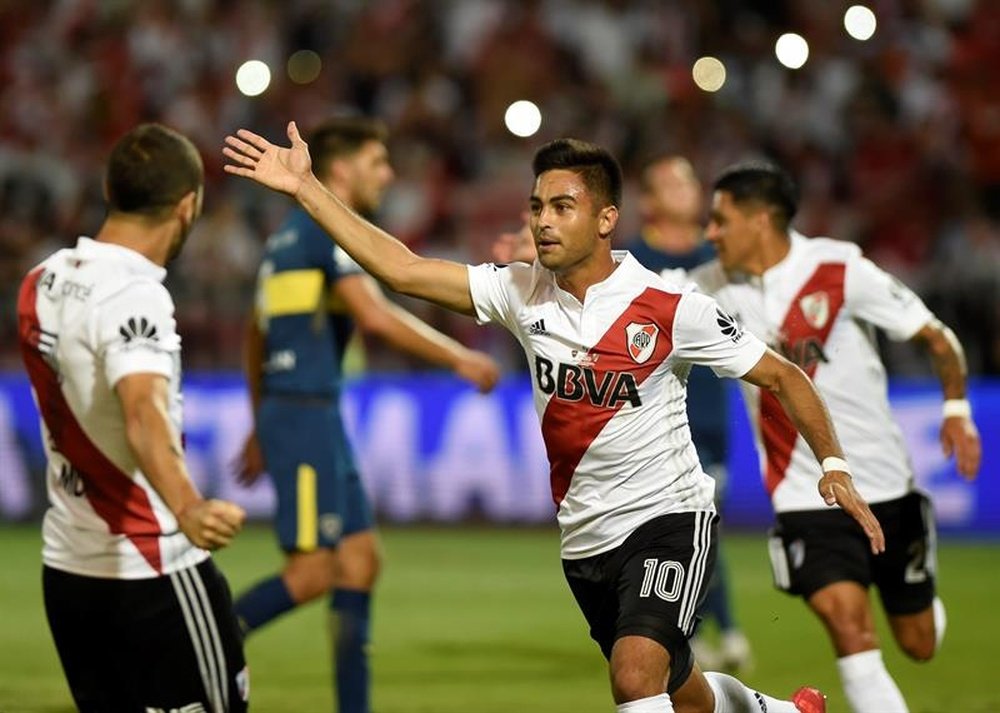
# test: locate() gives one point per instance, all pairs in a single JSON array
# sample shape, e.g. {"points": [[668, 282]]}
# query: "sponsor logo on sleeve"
{"points": [[728, 324], [138, 331]]}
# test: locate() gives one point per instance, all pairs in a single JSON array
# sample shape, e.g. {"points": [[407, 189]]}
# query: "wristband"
{"points": [[834, 463], [957, 408]]}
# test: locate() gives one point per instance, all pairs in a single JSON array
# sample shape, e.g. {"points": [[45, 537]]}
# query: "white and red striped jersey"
{"points": [[88, 316], [609, 382], [819, 307]]}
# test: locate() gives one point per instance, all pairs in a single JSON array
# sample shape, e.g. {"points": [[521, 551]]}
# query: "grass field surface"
{"points": [[472, 620]]}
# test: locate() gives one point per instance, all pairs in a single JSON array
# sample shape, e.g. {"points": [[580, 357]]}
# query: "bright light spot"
{"points": [[792, 50], [709, 74], [859, 22], [522, 118], [304, 66], [253, 77]]}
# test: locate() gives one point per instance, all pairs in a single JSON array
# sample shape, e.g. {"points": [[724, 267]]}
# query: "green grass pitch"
{"points": [[471, 619]]}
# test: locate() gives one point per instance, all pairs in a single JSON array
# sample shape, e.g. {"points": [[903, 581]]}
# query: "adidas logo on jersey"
{"points": [[138, 329], [537, 328]]}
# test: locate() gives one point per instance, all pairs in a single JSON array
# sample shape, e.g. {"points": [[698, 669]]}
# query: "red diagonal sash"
{"points": [[569, 427], [115, 497], [776, 428]]}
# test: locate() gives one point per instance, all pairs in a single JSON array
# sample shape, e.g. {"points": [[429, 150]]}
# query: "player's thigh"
{"points": [[905, 573], [667, 564], [189, 650], [84, 620], [301, 452], [813, 549]]}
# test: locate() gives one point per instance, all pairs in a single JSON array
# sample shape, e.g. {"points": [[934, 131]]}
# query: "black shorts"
{"points": [[814, 548], [159, 644], [651, 585]]}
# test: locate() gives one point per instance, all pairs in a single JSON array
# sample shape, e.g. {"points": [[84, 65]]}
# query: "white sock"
{"points": [[731, 696], [940, 622], [653, 704], [868, 685]]}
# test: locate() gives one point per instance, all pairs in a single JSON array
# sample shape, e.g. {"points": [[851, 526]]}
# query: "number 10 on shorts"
{"points": [[662, 578]]}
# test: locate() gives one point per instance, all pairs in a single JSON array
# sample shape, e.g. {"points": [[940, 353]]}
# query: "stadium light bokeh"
{"points": [[709, 74], [523, 118], [304, 66], [792, 50], [253, 77], [860, 22]]}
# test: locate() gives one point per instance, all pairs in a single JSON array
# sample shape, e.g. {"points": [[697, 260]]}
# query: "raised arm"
{"points": [[289, 170], [959, 435], [209, 524], [805, 407]]}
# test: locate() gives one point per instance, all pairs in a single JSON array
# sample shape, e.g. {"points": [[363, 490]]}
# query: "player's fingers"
{"points": [[243, 147], [293, 133], [969, 458], [237, 170], [238, 157], [253, 139]]}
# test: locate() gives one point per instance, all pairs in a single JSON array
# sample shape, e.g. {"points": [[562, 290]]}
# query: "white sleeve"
{"points": [[875, 296], [706, 334], [493, 291], [136, 332]]}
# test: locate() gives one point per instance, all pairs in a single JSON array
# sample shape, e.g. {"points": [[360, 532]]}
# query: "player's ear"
{"points": [[189, 206], [607, 221]]}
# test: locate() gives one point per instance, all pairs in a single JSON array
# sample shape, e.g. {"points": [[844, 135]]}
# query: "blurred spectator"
{"points": [[895, 141]]}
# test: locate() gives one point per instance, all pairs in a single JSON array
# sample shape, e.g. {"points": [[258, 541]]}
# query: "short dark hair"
{"points": [[599, 170], [342, 136], [150, 169], [761, 182]]}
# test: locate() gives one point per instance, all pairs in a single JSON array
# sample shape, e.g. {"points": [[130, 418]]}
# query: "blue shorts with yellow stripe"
{"points": [[320, 497]]}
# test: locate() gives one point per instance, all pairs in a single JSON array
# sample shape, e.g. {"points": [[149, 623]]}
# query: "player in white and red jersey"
{"points": [[609, 345], [818, 301], [140, 616]]}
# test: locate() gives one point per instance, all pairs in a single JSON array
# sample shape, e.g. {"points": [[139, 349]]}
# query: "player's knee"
{"points": [[309, 576], [918, 643], [632, 682], [359, 564], [850, 626]]}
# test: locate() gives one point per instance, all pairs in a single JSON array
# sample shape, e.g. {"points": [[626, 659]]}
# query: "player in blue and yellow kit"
{"points": [[671, 238], [309, 296]]}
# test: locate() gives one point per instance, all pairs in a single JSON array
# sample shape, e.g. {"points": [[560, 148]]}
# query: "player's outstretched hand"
{"points": [[837, 488], [211, 524], [480, 369], [959, 437], [253, 156], [249, 464]]}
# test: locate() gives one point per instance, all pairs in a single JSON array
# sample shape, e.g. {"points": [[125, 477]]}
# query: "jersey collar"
{"points": [[626, 266], [135, 262]]}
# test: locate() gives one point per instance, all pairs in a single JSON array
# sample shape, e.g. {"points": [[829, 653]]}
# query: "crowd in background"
{"points": [[895, 142]]}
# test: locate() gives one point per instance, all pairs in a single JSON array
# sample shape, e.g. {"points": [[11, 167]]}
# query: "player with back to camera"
{"points": [[141, 617], [309, 294], [818, 301], [609, 344]]}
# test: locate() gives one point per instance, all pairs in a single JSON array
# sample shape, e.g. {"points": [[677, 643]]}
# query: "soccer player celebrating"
{"points": [[609, 344], [308, 295], [141, 618], [817, 302]]}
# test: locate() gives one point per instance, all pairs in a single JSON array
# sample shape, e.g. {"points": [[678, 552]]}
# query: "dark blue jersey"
{"points": [[305, 331], [707, 413]]}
